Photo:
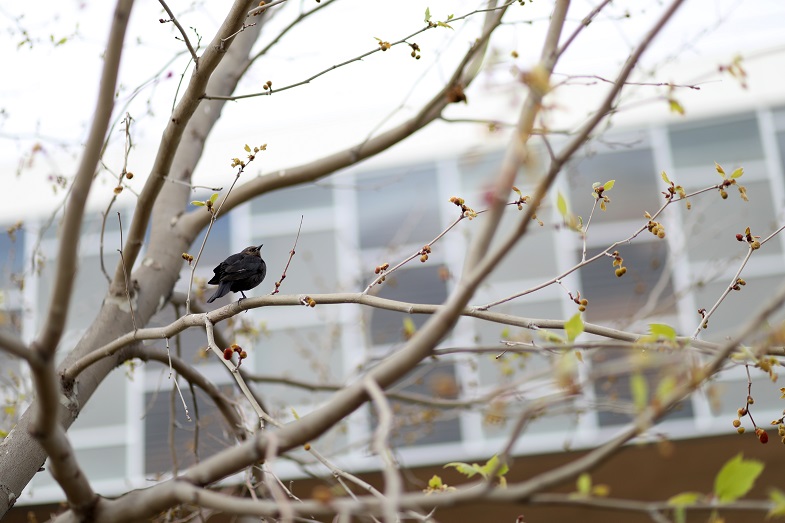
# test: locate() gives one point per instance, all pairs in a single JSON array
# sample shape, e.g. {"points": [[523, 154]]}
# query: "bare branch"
{"points": [[191, 375], [182, 32], [393, 486], [172, 135], [11, 344], [463, 75]]}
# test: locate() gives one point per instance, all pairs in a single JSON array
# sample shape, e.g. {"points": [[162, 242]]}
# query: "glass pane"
{"points": [[310, 354], [635, 190], [726, 397], [11, 254], [613, 392], [416, 425], [418, 285], [212, 436], [494, 371], [218, 245], [737, 306], [399, 207], [293, 199], [613, 298], [722, 141], [314, 268], [192, 341], [521, 263], [712, 223], [781, 147]]}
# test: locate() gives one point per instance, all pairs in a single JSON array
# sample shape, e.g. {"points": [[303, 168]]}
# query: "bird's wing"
{"points": [[219, 270], [242, 268]]}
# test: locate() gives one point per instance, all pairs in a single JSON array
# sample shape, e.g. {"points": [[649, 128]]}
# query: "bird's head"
{"points": [[253, 250]]}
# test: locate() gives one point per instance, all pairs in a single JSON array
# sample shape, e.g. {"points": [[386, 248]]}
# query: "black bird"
{"points": [[239, 272]]}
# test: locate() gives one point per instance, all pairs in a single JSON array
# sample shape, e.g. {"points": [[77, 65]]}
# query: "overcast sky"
{"points": [[47, 91]]}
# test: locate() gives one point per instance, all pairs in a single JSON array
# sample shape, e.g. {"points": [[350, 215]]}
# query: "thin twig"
{"points": [[118, 188], [173, 377], [597, 256], [291, 255], [404, 40], [182, 32], [261, 414]]}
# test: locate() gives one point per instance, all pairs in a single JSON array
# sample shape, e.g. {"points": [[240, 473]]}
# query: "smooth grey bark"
{"points": [[20, 455]]}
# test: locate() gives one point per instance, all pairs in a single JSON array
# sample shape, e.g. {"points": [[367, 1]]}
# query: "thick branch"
{"points": [[464, 73], [173, 133], [45, 427]]}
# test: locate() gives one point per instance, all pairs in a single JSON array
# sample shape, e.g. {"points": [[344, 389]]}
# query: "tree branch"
{"points": [[172, 135], [463, 75], [45, 427]]}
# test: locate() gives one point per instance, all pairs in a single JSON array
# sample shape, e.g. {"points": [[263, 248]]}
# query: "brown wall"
{"points": [[636, 472]]}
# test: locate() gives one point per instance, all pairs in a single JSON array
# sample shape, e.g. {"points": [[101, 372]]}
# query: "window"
{"points": [[727, 141], [635, 191], [423, 284], [614, 299], [398, 207]]}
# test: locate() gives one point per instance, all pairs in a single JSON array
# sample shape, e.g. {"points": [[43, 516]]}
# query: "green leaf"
{"points": [[409, 328], [778, 498], [574, 327], [491, 464], [738, 173], [214, 197], [675, 106], [583, 484], [684, 499], [550, 336], [736, 478], [443, 24], [639, 388], [247, 148], [197, 203], [435, 482], [294, 413], [719, 169], [561, 204], [679, 501], [609, 185], [427, 14], [665, 177], [464, 468], [661, 330]]}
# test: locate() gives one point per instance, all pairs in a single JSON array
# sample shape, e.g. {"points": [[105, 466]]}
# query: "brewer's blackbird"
{"points": [[239, 272]]}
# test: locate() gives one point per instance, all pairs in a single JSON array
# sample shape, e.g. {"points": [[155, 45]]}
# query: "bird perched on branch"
{"points": [[239, 272]]}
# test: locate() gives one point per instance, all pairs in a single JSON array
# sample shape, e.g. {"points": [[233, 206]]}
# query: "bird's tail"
{"points": [[219, 293]]}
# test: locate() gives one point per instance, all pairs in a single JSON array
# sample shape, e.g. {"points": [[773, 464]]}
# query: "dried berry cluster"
{"points": [[753, 241], [229, 351], [739, 284], [656, 229], [618, 262], [380, 270], [581, 302], [466, 211], [424, 252]]}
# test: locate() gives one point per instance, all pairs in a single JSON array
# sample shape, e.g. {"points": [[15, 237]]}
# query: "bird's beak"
{"points": [[260, 246]]}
